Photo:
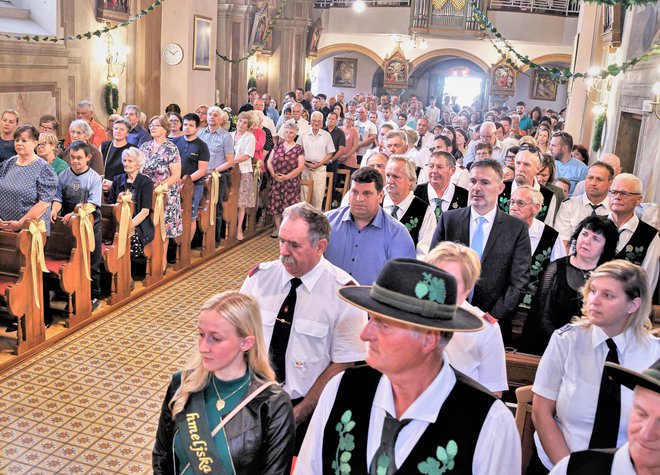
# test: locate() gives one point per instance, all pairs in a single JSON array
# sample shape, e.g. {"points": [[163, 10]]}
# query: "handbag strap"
{"points": [[241, 405]]}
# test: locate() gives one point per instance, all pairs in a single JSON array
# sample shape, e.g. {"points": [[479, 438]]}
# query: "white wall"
{"points": [[366, 68], [524, 92], [42, 12]]}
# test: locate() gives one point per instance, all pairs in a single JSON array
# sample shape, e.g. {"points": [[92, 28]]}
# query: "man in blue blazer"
{"points": [[501, 241]]}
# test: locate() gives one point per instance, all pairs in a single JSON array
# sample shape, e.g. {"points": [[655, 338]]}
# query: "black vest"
{"points": [[635, 250], [414, 217], [590, 462], [456, 430], [459, 200], [505, 196], [540, 260]]}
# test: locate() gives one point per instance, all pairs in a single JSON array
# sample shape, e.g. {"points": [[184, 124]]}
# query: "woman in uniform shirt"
{"points": [[567, 390]]}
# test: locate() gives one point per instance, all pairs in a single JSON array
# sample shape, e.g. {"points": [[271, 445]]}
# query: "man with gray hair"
{"points": [[319, 149], [487, 135], [221, 150], [138, 134], [312, 334], [85, 111], [297, 118]]}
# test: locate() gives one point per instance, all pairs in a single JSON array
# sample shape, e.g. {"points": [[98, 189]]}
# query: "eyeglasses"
{"points": [[519, 203], [529, 147], [42, 144], [623, 194], [45, 128]]}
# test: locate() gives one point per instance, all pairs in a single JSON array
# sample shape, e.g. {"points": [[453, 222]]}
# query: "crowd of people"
{"points": [[457, 221]]}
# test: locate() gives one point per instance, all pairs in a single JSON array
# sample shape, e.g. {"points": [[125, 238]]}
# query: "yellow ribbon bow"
{"points": [[124, 222], [159, 208], [86, 233], [37, 258], [215, 195]]}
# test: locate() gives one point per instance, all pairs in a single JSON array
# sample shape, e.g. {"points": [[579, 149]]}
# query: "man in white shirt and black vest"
{"points": [[527, 166], [402, 204], [409, 411], [638, 241], [440, 193], [641, 454]]}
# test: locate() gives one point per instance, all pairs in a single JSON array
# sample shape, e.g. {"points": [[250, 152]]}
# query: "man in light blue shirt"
{"points": [[364, 237], [561, 145]]}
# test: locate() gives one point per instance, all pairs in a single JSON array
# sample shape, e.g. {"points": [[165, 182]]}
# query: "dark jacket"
{"points": [[261, 436], [142, 191]]}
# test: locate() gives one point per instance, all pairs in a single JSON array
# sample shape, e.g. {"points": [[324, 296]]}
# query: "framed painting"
{"points": [[344, 72], [113, 10], [544, 88], [260, 27], [202, 43], [313, 37], [395, 70], [502, 79]]}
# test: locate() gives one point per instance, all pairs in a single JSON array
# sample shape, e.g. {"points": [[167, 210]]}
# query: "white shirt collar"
{"points": [[598, 336], [535, 185], [490, 216], [536, 229], [630, 225], [587, 202], [404, 205], [308, 280]]}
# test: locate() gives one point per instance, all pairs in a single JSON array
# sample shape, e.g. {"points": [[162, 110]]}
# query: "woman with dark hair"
{"points": [[462, 140], [449, 132], [558, 297], [581, 153], [176, 124], [535, 114], [546, 177]]}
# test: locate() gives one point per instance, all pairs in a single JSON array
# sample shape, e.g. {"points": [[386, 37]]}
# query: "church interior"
{"points": [[84, 394]]}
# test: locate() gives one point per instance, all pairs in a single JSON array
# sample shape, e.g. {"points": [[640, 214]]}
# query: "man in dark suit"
{"points": [[501, 241], [440, 193]]}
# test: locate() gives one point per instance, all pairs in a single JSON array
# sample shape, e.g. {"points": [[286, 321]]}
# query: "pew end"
{"points": [[118, 266]]}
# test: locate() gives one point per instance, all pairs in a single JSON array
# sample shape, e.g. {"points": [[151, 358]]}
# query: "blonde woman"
{"points": [[574, 406], [480, 355], [47, 148], [229, 367], [244, 147]]}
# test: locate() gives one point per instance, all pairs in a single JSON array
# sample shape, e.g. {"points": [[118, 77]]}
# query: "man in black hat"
{"points": [[408, 411], [641, 454]]}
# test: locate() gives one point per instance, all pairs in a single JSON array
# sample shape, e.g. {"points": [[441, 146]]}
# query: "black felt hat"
{"points": [[414, 292], [649, 378]]}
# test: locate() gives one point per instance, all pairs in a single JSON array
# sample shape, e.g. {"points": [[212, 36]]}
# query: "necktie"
{"points": [[438, 207], [419, 144], [383, 461], [608, 410], [478, 244], [594, 208], [395, 208], [282, 330]]}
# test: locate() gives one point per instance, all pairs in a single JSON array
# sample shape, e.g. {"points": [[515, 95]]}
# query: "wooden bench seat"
{"points": [[119, 266], [183, 251], [206, 218], [154, 250]]}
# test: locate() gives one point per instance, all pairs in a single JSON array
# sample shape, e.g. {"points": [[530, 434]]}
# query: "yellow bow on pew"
{"points": [[86, 233], [215, 195], [37, 229], [124, 222], [159, 208]]}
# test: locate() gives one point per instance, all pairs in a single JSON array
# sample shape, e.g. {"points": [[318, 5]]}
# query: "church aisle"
{"points": [[90, 404]]}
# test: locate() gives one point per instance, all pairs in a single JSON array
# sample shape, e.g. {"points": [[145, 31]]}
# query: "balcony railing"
{"points": [[424, 18], [369, 3], [553, 7]]}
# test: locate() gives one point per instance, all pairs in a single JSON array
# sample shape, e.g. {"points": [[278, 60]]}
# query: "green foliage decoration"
{"points": [[110, 98], [599, 125]]}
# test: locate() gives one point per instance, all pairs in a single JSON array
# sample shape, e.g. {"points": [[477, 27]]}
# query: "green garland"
{"points": [[599, 125], [625, 3], [557, 74], [255, 48], [89, 34], [110, 98]]}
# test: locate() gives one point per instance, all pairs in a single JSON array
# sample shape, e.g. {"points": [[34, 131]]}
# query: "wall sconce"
{"points": [[115, 59], [655, 103], [598, 88]]}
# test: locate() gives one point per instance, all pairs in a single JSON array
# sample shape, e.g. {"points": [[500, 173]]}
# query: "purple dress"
{"points": [[284, 193], [157, 167]]}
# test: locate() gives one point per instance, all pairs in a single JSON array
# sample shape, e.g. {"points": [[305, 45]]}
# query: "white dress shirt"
{"points": [[573, 211], [245, 145], [552, 207], [570, 372], [268, 123], [487, 226], [302, 124], [461, 177], [427, 227], [325, 328], [650, 262], [497, 451], [420, 157], [480, 355], [535, 232], [316, 146], [621, 464], [446, 197]]}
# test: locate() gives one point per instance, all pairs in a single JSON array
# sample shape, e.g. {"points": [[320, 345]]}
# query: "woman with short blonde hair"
{"points": [[244, 148], [229, 379], [47, 148]]}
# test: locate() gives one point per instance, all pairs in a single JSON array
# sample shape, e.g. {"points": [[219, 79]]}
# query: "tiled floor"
{"points": [[90, 403]]}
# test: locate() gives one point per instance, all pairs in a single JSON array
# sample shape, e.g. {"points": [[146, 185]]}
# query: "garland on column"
{"points": [[110, 98], [89, 34], [557, 74], [255, 48]]}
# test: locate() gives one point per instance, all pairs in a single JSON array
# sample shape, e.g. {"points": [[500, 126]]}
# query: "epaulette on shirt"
{"points": [[254, 270], [564, 329], [490, 319]]}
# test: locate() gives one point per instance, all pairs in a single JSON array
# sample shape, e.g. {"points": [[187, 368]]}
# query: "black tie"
{"points": [[594, 208], [608, 411], [383, 461], [282, 330], [419, 144]]}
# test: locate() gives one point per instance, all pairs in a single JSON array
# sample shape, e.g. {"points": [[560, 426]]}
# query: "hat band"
{"points": [[425, 308]]}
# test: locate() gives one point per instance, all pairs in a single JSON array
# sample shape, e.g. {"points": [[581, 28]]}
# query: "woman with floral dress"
{"points": [[163, 166]]}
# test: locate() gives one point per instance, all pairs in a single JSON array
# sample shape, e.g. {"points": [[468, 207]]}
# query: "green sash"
{"points": [[196, 438]]}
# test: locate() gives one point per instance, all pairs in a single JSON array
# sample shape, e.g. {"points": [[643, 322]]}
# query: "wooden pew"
{"points": [[206, 219], [119, 267], [65, 260], [230, 205], [521, 369], [21, 287], [154, 250], [183, 253], [329, 184]]}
